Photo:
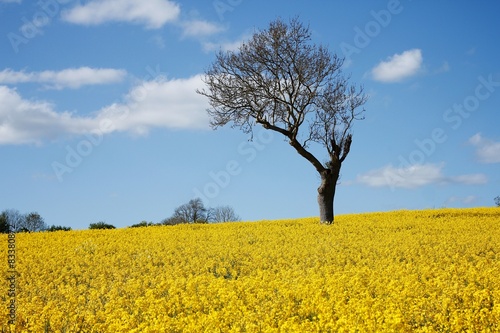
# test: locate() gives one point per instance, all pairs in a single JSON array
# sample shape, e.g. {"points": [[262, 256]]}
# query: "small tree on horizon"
{"points": [[11, 220], [171, 221], [192, 212], [224, 214], [142, 224], [101, 225], [282, 81], [195, 212], [4, 223], [497, 201], [34, 222], [53, 228], [15, 220]]}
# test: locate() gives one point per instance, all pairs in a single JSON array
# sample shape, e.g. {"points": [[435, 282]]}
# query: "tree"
{"points": [[142, 224], [195, 212], [192, 212], [282, 81], [57, 228], [224, 214], [101, 225], [11, 220], [4, 223], [14, 219], [172, 221], [34, 222], [497, 201]]}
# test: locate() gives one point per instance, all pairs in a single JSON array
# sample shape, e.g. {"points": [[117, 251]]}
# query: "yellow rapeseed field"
{"points": [[406, 271]]}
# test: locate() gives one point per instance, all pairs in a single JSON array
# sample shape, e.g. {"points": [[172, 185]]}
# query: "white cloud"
{"points": [[23, 121], [487, 151], [160, 103], [200, 28], [68, 78], [414, 176], [151, 13], [398, 67], [152, 104]]}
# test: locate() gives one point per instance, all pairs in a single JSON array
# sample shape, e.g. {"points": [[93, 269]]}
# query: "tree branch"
{"points": [[307, 155], [268, 125]]}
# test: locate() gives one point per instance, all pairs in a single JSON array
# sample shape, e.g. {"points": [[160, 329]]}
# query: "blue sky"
{"points": [[99, 119]]}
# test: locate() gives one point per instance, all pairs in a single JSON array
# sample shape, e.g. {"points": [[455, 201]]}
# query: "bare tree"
{"points": [[171, 221], [282, 81], [224, 214], [195, 212], [11, 220], [14, 219], [34, 222], [192, 212]]}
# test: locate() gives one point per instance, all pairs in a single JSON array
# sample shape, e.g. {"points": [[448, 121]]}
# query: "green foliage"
{"points": [[142, 224], [4, 223], [57, 228], [101, 225]]}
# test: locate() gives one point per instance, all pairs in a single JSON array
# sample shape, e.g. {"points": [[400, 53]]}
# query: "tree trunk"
{"points": [[326, 194]]}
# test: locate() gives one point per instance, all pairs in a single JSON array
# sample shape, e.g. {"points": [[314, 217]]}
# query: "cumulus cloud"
{"points": [[398, 67], [68, 78], [23, 121], [414, 176], [487, 151], [158, 103], [153, 14]]}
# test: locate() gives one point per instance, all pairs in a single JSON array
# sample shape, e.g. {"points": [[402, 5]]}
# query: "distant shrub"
{"points": [[142, 224], [58, 228], [101, 225], [172, 221]]}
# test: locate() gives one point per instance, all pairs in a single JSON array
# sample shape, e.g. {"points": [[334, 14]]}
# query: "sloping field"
{"points": [[405, 271]]}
